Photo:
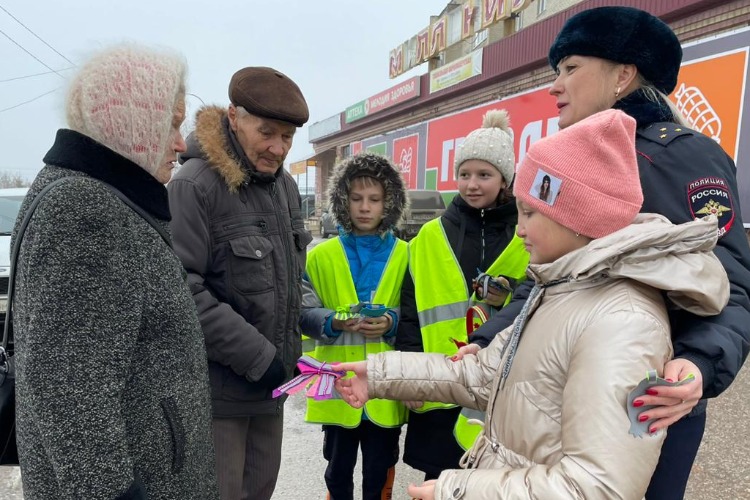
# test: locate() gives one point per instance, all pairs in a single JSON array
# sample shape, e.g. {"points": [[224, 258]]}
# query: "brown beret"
{"points": [[268, 93]]}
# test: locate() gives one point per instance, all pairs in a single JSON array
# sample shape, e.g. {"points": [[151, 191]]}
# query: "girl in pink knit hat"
{"points": [[556, 385]]}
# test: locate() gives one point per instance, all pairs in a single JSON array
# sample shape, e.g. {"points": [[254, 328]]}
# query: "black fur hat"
{"points": [[379, 168], [624, 35]]}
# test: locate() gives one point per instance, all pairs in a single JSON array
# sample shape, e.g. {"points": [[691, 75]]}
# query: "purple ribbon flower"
{"points": [[310, 368]]}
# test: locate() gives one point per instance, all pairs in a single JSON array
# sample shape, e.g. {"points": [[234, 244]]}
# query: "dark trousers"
{"points": [[430, 445], [677, 456], [379, 453], [248, 456]]}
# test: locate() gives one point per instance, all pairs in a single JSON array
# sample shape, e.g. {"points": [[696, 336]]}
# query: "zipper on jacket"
{"points": [[273, 191], [262, 225], [481, 260]]}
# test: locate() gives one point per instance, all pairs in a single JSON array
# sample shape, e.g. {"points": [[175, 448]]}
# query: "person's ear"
{"points": [[232, 115], [627, 78]]}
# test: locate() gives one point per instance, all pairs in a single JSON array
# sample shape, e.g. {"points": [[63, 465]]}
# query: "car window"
{"points": [[426, 200], [9, 207]]}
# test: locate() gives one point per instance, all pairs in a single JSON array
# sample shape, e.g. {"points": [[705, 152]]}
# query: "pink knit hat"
{"points": [[585, 177], [124, 98]]}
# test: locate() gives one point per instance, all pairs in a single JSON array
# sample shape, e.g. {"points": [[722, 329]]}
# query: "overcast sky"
{"points": [[336, 51]]}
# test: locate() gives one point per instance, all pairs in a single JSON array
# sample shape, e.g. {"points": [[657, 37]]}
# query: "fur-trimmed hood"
{"points": [[210, 142], [379, 168]]}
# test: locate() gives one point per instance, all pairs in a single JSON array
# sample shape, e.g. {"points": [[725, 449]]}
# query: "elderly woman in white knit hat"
{"points": [[558, 384], [475, 234], [112, 384]]}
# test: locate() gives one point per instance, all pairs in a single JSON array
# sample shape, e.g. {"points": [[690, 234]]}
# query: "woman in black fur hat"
{"points": [[625, 58]]}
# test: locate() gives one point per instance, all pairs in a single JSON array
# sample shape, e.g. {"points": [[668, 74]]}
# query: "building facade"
{"points": [[419, 122]]}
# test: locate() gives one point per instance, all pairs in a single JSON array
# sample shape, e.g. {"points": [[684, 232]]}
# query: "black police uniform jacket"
{"points": [[685, 175]]}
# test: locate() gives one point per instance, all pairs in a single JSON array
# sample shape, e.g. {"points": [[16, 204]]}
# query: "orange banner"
{"points": [[711, 104]]}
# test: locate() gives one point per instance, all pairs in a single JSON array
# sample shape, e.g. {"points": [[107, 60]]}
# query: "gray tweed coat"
{"points": [[112, 384]]}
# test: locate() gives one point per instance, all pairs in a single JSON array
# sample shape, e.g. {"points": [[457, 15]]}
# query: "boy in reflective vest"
{"points": [[476, 232], [350, 307]]}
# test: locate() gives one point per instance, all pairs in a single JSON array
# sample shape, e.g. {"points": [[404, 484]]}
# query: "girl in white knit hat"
{"points": [[475, 234]]}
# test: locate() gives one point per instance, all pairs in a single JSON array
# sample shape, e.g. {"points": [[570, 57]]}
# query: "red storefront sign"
{"points": [[406, 157], [532, 116]]}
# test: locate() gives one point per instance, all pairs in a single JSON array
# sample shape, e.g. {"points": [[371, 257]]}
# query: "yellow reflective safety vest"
{"points": [[308, 345], [440, 290], [329, 273]]}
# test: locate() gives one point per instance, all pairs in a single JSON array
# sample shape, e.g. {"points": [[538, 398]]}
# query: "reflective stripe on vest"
{"points": [[330, 276], [440, 290], [466, 432]]}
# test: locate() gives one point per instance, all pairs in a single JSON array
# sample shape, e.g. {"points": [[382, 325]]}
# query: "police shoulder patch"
{"points": [[663, 132], [711, 196]]}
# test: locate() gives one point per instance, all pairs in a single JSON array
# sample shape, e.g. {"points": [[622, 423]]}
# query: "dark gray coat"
{"points": [[243, 243], [112, 380]]}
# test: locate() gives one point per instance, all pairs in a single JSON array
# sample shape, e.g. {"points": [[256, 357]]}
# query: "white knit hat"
{"points": [[124, 98], [492, 143]]}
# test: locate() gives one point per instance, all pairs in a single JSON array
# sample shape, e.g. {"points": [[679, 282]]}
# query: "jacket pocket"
{"points": [[178, 433], [251, 264], [237, 388]]}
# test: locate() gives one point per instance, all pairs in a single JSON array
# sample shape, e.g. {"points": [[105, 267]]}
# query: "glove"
{"points": [[274, 376]]}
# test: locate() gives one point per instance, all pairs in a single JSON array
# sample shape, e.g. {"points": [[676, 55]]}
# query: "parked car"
{"points": [[10, 204], [424, 205], [328, 225]]}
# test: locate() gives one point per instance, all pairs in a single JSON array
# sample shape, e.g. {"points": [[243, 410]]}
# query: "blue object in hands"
{"points": [[373, 310]]}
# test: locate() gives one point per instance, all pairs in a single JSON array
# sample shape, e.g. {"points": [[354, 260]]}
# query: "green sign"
{"points": [[379, 149], [356, 112]]}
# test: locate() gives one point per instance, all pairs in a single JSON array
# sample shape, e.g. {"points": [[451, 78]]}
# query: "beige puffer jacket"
{"points": [[558, 426]]}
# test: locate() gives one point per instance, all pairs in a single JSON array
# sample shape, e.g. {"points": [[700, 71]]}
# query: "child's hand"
{"points": [[345, 325], [354, 389], [424, 492], [413, 405], [497, 289], [496, 298], [463, 351], [375, 327]]}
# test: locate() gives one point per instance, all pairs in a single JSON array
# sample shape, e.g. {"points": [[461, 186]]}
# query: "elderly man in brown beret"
{"points": [[238, 229]]}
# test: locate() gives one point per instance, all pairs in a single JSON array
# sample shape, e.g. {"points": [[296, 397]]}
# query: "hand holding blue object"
{"points": [[361, 310]]}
